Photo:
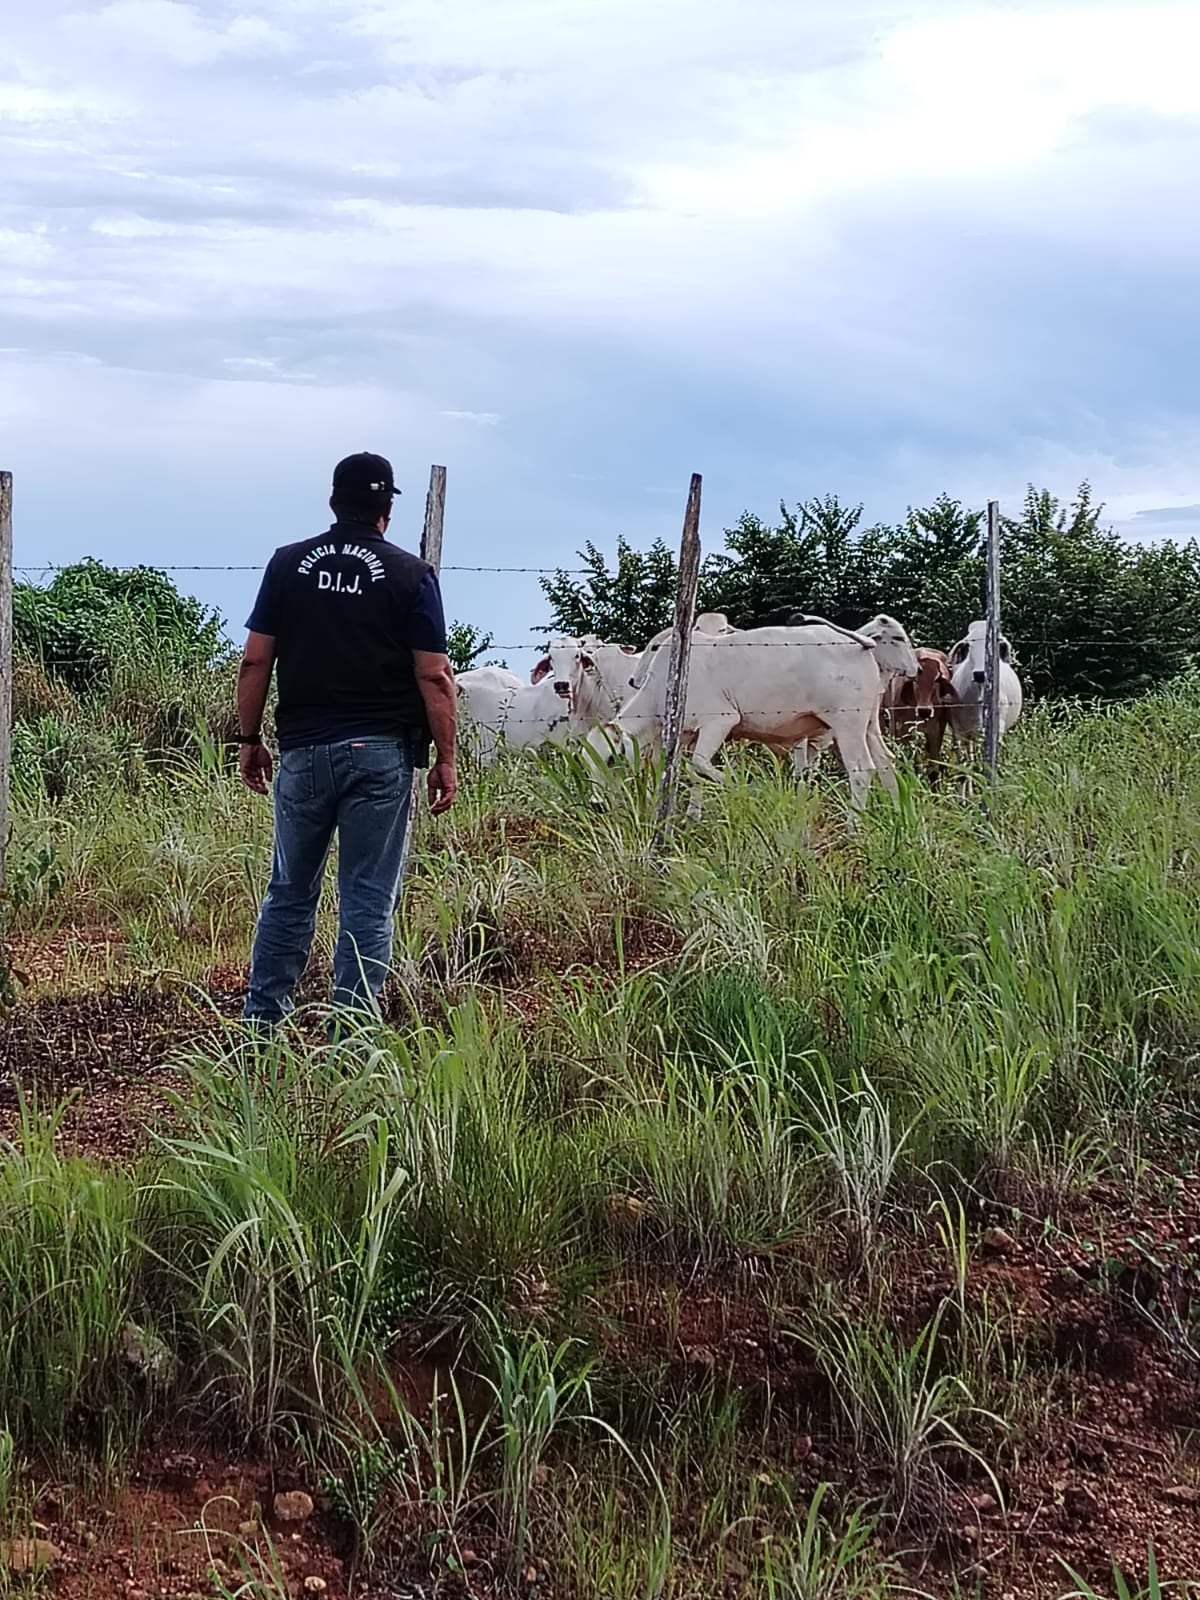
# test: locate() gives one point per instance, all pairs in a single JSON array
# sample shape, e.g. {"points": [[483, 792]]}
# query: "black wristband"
{"points": [[249, 738]]}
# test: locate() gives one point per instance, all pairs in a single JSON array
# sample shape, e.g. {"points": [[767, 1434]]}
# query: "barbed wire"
{"points": [[53, 662], [813, 644], [261, 567]]}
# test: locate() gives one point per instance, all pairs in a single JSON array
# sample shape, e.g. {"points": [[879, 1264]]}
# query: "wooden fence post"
{"points": [[431, 551], [6, 640], [681, 651], [991, 663], [435, 512]]}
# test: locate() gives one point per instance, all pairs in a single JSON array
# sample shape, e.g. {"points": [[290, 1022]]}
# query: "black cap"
{"points": [[364, 474]]}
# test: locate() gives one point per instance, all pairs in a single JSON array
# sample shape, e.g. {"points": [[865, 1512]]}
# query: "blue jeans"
{"points": [[362, 789]]}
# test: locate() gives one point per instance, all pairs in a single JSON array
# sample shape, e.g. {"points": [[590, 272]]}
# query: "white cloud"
{"points": [[170, 31], [911, 243]]}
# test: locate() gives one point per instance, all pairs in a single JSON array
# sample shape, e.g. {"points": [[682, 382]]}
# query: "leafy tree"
{"points": [[628, 605], [1087, 613], [465, 643], [93, 621]]}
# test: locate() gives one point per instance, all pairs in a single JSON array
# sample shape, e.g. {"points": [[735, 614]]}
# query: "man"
{"points": [[354, 627]]}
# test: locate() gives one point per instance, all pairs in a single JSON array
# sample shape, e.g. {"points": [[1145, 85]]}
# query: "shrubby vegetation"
{"points": [[113, 669], [1089, 615]]}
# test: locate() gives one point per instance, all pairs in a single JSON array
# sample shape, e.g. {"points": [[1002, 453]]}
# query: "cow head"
{"points": [[567, 662], [893, 648], [972, 651], [933, 687]]}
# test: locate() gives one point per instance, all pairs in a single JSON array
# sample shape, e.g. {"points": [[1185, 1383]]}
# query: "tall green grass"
{"points": [[617, 1078]]}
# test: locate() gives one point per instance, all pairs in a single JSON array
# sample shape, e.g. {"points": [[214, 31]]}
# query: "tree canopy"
{"points": [[94, 618], [1087, 613]]}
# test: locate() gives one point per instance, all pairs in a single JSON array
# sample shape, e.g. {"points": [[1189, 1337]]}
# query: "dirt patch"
{"points": [[189, 1525], [102, 1061], [70, 960]]}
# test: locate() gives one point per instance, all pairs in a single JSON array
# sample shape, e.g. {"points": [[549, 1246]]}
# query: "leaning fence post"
{"points": [[681, 650], [991, 663], [431, 551]]}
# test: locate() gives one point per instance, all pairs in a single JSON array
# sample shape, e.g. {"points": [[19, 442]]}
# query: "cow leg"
{"points": [[712, 735], [935, 734], [806, 754], [855, 752], [881, 756]]}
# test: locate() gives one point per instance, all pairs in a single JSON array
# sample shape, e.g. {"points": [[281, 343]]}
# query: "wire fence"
{"points": [[260, 566], [727, 643]]}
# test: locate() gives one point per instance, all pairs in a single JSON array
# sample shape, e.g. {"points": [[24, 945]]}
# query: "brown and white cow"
{"points": [[922, 702]]}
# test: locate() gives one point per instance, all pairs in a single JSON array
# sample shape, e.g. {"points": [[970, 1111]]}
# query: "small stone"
{"points": [[248, 1530], [315, 1585], [999, 1242], [530, 1575], [294, 1506], [801, 1447], [985, 1504], [470, 1558], [1184, 1494], [1081, 1503], [27, 1555]]}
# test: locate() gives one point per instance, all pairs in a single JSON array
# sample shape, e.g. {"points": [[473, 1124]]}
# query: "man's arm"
{"points": [[254, 682], [435, 679]]}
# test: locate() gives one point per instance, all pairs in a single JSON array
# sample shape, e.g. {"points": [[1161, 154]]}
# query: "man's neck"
{"points": [[365, 530]]}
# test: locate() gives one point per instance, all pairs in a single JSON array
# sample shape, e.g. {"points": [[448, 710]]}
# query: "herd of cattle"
{"points": [[797, 689]]}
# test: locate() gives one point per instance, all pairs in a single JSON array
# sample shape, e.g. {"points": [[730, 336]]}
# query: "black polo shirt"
{"points": [[346, 611]]}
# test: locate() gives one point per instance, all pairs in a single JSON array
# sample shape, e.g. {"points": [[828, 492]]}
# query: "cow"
{"points": [[710, 622], [591, 677], [967, 662], [922, 702], [775, 686], [499, 706], [896, 660]]}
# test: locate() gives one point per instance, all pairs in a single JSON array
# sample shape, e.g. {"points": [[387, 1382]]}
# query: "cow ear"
{"points": [[946, 691], [1004, 649], [629, 650], [959, 654], [540, 671], [586, 661]]}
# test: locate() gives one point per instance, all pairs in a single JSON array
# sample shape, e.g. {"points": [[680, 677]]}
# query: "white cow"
{"points": [[706, 622], [500, 707], [967, 661], [591, 677], [775, 686], [896, 660]]}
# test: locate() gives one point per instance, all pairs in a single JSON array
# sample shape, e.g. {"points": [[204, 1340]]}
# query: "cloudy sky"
{"points": [[577, 249]]}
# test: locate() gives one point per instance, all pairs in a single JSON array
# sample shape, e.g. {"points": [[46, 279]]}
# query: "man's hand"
{"points": [[255, 766], [443, 786]]}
